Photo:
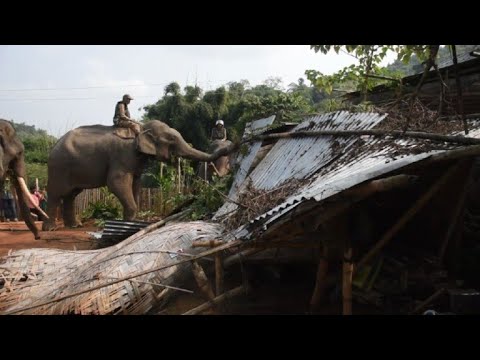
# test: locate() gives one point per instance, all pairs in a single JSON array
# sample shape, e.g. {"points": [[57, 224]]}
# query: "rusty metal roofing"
{"points": [[333, 164]]}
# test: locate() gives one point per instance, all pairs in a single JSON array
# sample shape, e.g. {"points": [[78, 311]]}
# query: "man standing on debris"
{"points": [[122, 115], [219, 132]]}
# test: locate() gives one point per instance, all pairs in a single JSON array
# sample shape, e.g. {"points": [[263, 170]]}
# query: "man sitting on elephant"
{"points": [[122, 115], [219, 132]]}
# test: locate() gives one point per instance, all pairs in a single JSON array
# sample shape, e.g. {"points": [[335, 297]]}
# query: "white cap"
{"points": [[219, 122]]}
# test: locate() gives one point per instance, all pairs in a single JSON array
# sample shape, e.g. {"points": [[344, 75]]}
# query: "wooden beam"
{"points": [[216, 301], [207, 243], [340, 202], [419, 204], [218, 273], [459, 206], [457, 139], [320, 283], [435, 295], [347, 275], [202, 280], [459, 88]]}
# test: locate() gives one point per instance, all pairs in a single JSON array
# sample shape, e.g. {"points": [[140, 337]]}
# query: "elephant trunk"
{"points": [[185, 150]]}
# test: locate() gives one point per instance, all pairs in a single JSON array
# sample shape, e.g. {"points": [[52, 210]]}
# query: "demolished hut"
{"points": [[324, 224]]}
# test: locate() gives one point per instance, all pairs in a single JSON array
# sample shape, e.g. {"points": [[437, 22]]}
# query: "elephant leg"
{"points": [[69, 209], [137, 187], [53, 202], [121, 185]]}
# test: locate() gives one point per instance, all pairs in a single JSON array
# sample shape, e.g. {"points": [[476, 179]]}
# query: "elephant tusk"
{"points": [[29, 196]]}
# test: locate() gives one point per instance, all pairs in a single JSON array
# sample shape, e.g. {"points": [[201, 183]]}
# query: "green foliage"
{"points": [[37, 144], [331, 104], [369, 58], [37, 147], [146, 215], [37, 171], [208, 198], [237, 103], [107, 209]]}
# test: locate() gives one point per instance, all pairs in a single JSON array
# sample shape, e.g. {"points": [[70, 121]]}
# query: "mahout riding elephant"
{"points": [[94, 156], [219, 167], [12, 164]]}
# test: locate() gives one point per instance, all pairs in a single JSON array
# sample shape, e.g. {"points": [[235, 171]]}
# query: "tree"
{"points": [[192, 94], [369, 57]]}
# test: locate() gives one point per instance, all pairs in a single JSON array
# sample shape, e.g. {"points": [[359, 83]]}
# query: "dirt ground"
{"points": [[63, 238]]}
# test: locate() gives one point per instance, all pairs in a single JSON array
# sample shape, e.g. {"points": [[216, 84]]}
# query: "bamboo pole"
{"points": [[178, 174], [216, 301], [435, 295], [202, 280], [455, 219], [322, 271], [459, 89], [347, 275], [218, 273], [207, 243], [419, 204]]}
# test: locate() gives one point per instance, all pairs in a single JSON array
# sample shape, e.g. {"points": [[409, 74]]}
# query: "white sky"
{"points": [[142, 71]]}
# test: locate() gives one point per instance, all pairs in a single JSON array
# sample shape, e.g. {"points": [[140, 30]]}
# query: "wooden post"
{"points": [[459, 89], [422, 201], [455, 219], [202, 280], [347, 280], [218, 273], [179, 174], [320, 283], [162, 207], [149, 200]]}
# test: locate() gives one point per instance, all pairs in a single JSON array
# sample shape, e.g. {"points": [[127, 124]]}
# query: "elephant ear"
{"points": [[145, 143]]}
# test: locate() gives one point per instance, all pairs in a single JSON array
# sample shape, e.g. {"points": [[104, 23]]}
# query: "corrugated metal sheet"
{"points": [[302, 157], [116, 230], [376, 158], [245, 161], [333, 171]]}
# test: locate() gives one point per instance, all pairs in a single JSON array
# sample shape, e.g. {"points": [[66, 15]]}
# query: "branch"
{"points": [[381, 133]]}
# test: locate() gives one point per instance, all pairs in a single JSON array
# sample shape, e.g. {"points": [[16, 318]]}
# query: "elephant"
{"points": [[12, 164], [93, 156], [221, 166]]}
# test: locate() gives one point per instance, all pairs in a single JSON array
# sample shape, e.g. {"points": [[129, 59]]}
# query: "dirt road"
{"points": [[68, 239]]}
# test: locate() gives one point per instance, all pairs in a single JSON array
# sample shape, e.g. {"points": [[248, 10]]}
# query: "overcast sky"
{"points": [[108, 72]]}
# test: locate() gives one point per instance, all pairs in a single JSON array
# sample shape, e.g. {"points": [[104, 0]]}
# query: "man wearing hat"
{"points": [[122, 115], [219, 132]]}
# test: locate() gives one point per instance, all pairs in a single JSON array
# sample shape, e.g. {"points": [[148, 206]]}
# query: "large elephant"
{"points": [[93, 156], [12, 163], [219, 167]]}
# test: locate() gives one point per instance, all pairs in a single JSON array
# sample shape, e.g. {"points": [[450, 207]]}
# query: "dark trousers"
{"points": [[9, 209]]}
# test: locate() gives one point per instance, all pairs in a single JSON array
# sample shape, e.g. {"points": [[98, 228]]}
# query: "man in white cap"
{"points": [[219, 132], [122, 115]]}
